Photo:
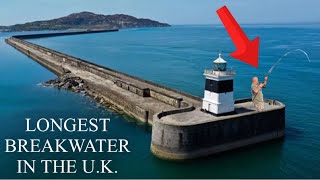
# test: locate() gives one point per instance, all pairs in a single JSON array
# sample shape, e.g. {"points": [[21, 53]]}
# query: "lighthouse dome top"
{"points": [[220, 59], [219, 64]]}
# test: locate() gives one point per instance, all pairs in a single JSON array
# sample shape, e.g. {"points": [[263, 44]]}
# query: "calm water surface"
{"points": [[175, 57]]}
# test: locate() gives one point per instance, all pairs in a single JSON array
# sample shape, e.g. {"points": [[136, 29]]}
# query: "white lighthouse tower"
{"points": [[218, 95]]}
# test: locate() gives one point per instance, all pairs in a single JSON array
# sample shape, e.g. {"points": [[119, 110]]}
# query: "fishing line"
{"points": [[286, 54]]}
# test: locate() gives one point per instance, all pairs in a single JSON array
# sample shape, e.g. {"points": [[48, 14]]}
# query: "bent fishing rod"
{"points": [[286, 54]]}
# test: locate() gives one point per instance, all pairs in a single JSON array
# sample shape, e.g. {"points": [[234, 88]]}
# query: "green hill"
{"points": [[86, 20]]}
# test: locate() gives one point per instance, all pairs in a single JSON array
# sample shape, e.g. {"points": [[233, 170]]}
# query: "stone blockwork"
{"points": [[180, 129], [174, 101], [183, 141], [60, 62], [144, 92]]}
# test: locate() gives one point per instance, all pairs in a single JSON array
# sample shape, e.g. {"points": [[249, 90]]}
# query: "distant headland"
{"points": [[85, 21]]}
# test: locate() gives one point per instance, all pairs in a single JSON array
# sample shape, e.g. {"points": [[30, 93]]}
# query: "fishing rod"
{"points": [[280, 59], [286, 54]]}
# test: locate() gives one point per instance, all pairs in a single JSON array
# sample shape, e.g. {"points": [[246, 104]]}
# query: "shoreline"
{"points": [[85, 30]]}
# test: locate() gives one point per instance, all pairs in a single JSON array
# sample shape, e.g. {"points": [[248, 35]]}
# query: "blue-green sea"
{"points": [[176, 57]]}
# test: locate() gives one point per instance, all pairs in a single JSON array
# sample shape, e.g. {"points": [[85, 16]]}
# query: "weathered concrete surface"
{"points": [[195, 133], [120, 89], [180, 129]]}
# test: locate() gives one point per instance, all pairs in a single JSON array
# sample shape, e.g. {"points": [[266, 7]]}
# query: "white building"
{"points": [[218, 94]]}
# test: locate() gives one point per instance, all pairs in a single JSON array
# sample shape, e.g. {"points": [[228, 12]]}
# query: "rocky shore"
{"points": [[68, 82], [74, 83]]}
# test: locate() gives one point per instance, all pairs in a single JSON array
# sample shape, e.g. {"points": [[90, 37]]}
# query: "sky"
{"points": [[170, 11]]}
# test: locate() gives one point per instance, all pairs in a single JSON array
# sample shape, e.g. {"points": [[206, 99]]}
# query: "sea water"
{"points": [[175, 57]]}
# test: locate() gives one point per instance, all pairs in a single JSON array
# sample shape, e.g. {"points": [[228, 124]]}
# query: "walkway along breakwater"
{"points": [[183, 126]]}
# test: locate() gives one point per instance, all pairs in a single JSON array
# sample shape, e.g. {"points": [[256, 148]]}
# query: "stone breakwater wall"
{"points": [[60, 64], [178, 142], [58, 70], [92, 67], [46, 35], [180, 130]]}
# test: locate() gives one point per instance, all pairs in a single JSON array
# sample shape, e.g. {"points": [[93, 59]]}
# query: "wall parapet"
{"points": [[64, 33], [113, 75]]}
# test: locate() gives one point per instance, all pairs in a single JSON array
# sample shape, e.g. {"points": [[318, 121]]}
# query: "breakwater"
{"points": [[135, 96], [180, 129], [46, 35]]}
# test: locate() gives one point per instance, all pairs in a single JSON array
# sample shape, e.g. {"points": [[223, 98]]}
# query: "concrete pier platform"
{"points": [[196, 134], [181, 130]]}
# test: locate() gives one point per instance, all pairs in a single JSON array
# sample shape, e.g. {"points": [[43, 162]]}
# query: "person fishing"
{"points": [[257, 96], [256, 88]]}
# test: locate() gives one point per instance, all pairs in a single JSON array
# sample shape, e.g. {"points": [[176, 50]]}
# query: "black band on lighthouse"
{"points": [[219, 86]]}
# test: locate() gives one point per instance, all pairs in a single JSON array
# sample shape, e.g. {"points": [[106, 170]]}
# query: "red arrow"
{"points": [[247, 51]]}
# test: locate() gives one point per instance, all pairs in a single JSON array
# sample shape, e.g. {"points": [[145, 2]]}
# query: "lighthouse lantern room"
{"points": [[218, 95]]}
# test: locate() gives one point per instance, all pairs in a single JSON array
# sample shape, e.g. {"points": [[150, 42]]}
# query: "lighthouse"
{"points": [[218, 95]]}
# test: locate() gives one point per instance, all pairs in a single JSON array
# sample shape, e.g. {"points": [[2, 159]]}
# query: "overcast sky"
{"points": [[170, 11]]}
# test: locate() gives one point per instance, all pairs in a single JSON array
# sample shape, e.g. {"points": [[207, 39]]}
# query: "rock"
{"points": [[73, 82], [67, 85], [61, 84], [66, 71], [51, 82], [80, 85], [80, 81], [74, 88]]}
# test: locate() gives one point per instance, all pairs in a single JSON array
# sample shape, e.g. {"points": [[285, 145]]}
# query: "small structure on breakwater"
{"points": [[184, 126], [218, 95]]}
